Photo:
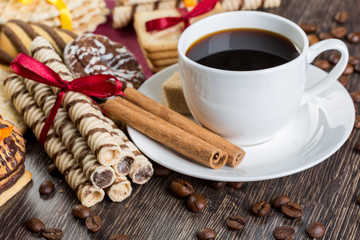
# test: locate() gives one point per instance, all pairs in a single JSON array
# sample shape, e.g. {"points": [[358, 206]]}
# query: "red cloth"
{"points": [[125, 36]]}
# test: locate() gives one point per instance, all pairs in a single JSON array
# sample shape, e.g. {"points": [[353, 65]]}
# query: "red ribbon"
{"points": [[166, 22], [101, 85]]}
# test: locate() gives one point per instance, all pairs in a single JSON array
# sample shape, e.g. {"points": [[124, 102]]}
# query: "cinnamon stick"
{"points": [[236, 154], [166, 133]]}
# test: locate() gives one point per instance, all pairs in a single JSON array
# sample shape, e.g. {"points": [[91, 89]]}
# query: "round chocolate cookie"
{"points": [[91, 54]]}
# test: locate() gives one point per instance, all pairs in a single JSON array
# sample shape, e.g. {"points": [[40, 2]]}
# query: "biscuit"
{"points": [[19, 184]]}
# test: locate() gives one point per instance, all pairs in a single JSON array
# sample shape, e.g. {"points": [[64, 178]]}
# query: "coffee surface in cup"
{"points": [[242, 50]]}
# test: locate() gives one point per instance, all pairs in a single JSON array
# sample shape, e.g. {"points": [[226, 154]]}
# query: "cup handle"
{"points": [[316, 49]]}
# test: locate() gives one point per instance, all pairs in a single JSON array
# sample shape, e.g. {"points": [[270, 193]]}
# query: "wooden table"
{"points": [[327, 192]]}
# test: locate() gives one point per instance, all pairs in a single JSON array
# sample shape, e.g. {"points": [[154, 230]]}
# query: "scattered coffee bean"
{"points": [[323, 64], [261, 208], [280, 200], [312, 39], [292, 210], [353, 60], [357, 68], [235, 222], [348, 70], [181, 188], [339, 32], [309, 28], [206, 234], [196, 202], [237, 185], [354, 37], [357, 121], [358, 200], [323, 36], [218, 185], [46, 188], [52, 234], [160, 170], [334, 58], [119, 237], [341, 17], [34, 225], [284, 233], [52, 169], [344, 80], [94, 223], [315, 230], [355, 95], [82, 212]]}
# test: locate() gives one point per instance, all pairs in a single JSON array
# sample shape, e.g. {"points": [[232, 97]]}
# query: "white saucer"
{"points": [[317, 131]]}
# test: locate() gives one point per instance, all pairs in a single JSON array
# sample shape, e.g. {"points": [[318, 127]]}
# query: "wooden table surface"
{"points": [[327, 192]]}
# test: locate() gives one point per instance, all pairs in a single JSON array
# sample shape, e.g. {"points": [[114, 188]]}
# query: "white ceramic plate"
{"points": [[317, 131]]}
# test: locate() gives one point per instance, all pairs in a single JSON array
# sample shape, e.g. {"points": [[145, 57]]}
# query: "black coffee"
{"points": [[242, 50]]}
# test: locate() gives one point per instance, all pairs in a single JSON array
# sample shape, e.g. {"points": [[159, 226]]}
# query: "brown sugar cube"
{"points": [[174, 95]]}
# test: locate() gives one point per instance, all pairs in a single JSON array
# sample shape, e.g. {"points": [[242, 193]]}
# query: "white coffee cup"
{"points": [[251, 107]]}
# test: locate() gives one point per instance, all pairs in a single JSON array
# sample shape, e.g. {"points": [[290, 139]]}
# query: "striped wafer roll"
{"points": [[120, 189], [64, 161], [100, 176], [80, 108]]}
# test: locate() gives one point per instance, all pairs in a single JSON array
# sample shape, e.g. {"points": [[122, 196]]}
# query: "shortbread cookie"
{"points": [[96, 54], [18, 185], [161, 55]]}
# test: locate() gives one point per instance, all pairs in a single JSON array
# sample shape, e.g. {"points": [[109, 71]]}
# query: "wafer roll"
{"points": [[80, 108], [100, 176], [120, 189], [64, 161]]}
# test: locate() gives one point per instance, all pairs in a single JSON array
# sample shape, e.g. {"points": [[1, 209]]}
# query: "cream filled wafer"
{"points": [[80, 108], [161, 55], [100, 176], [64, 161], [96, 54], [120, 189]]}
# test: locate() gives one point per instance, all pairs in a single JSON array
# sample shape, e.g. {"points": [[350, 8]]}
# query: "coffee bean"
{"points": [[237, 185], [280, 200], [94, 223], [284, 233], [82, 212], [353, 60], [334, 58], [261, 208], [323, 64], [357, 68], [119, 237], [46, 188], [358, 200], [357, 121], [323, 36], [341, 17], [354, 37], [206, 234], [312, 39], [218, 185], [196, 202], [160, 170], [52, 169], [52, 234], [315, 230], [355, 95], [292, 210], [181, 188], [235, 222], [309, 28], [344, 80], [34, 225], [349, 69], [339, 32]]}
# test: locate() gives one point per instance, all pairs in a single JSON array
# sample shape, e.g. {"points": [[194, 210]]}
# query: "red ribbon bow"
{"points": [[101, 85], [166, 22]]}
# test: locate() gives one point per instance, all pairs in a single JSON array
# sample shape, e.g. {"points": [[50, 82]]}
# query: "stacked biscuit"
{"points": [[13, 175], [86, 15], [124, 12], [160, 47]]}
